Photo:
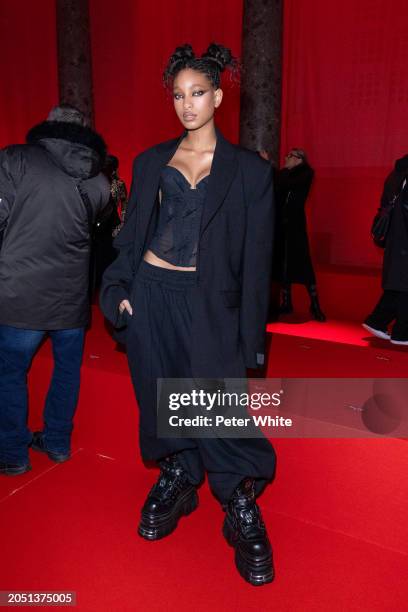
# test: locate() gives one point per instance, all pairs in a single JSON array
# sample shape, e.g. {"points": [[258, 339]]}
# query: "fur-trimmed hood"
{"points": [[78, 150]]}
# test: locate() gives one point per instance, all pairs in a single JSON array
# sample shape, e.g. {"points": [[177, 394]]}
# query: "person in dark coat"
{"points": [[49, 190], [189, 292], [118, 192], [109, 222], [393, 304], [292, 261]]}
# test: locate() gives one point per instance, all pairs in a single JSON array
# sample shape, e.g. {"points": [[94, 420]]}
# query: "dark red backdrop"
{"points": [[345, 92], [345, 100], [130, 48], [28, 65]]}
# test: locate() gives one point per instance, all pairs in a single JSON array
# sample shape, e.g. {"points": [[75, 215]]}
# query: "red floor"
{"points": [[336, 511]]}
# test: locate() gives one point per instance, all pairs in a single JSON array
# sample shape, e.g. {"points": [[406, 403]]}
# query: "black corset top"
{"points": [[177, 233]]}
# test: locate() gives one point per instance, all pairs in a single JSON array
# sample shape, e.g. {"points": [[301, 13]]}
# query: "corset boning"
{"points": [[178, 227]]}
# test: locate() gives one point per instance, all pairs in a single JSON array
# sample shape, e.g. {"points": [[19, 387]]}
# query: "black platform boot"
{"points": [[315, 309], [286, 306], [245, 530], [172, 497]]}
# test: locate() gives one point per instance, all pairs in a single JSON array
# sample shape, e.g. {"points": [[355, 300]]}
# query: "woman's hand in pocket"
{"points": [[125, 305]]}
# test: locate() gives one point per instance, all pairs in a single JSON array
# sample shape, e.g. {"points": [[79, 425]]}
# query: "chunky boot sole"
{"points": [[153, 527], [255, 572]]}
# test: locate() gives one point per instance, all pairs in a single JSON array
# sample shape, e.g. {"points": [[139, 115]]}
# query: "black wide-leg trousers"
{"points": [[158, 346], [392, 306]]}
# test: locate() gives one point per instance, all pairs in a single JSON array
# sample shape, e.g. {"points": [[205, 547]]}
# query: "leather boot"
{"points": [[286, 306], [245, 530], [315, 309], [172, 497]]}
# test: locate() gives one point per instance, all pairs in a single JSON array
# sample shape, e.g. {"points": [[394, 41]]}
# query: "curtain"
{"points": [[131, 43], [28, 66], [345, 99], [344, 92]]}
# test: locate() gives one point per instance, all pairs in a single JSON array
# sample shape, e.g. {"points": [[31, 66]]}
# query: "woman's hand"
{"points": [[125, 305]]}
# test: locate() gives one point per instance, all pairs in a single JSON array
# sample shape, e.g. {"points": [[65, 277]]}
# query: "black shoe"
{"points": [[285, 309], [375, 331], [38, 444], [402, 340], [316, 311], [13, 469], [172, 497], [245, 530]]}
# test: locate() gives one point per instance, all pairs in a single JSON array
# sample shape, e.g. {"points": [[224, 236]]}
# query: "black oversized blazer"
{"points": [[230, 301]]}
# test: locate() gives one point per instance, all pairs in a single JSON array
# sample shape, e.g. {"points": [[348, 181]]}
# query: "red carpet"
{"points": [[348, 293], [336, 511]]}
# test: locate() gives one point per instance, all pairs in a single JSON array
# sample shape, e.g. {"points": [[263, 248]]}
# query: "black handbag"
{"points": [[382, 221], [381, 224]]}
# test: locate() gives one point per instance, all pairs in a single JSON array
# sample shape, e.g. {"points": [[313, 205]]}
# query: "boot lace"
{"points": [[250, 521], [171, 481]]}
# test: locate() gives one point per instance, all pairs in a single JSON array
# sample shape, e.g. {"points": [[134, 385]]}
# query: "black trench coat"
{"points": [[395, 264], [292, 259], [230, 303]]}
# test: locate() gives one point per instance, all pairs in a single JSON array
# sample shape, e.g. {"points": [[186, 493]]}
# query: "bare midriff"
{"points": [[152, 259]]}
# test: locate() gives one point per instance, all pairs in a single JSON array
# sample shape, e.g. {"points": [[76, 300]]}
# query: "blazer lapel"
{"points": [[223, 170], [150, 187]]}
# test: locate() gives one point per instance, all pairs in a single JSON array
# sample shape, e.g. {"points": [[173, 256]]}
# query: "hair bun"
{"points": [[220, 55], [211, 63], [182, 54]]}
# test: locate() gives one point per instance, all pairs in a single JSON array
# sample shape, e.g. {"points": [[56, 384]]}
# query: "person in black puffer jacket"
{"points": [[51, 190]]}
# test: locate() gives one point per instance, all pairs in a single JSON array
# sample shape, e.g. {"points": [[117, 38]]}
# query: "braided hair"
{"points": [[211, 63]]}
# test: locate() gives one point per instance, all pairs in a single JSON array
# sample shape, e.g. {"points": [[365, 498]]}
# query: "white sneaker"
{"points": [[378, 332]]}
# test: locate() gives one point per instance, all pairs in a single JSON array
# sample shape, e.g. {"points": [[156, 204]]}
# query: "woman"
{"points": [[393, 304], [190, 290], [293, 260]]}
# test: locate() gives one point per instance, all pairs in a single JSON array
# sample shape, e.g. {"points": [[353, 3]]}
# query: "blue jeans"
{"points": [[17, 348]]}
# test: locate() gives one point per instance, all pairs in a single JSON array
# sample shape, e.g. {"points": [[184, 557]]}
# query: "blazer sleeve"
{"points": [[257, 264], [118, 277]]}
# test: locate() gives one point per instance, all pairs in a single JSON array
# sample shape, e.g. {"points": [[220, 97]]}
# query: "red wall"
{"points": [[131, 42], [345, 101], [345, 91], [28, 66]]}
